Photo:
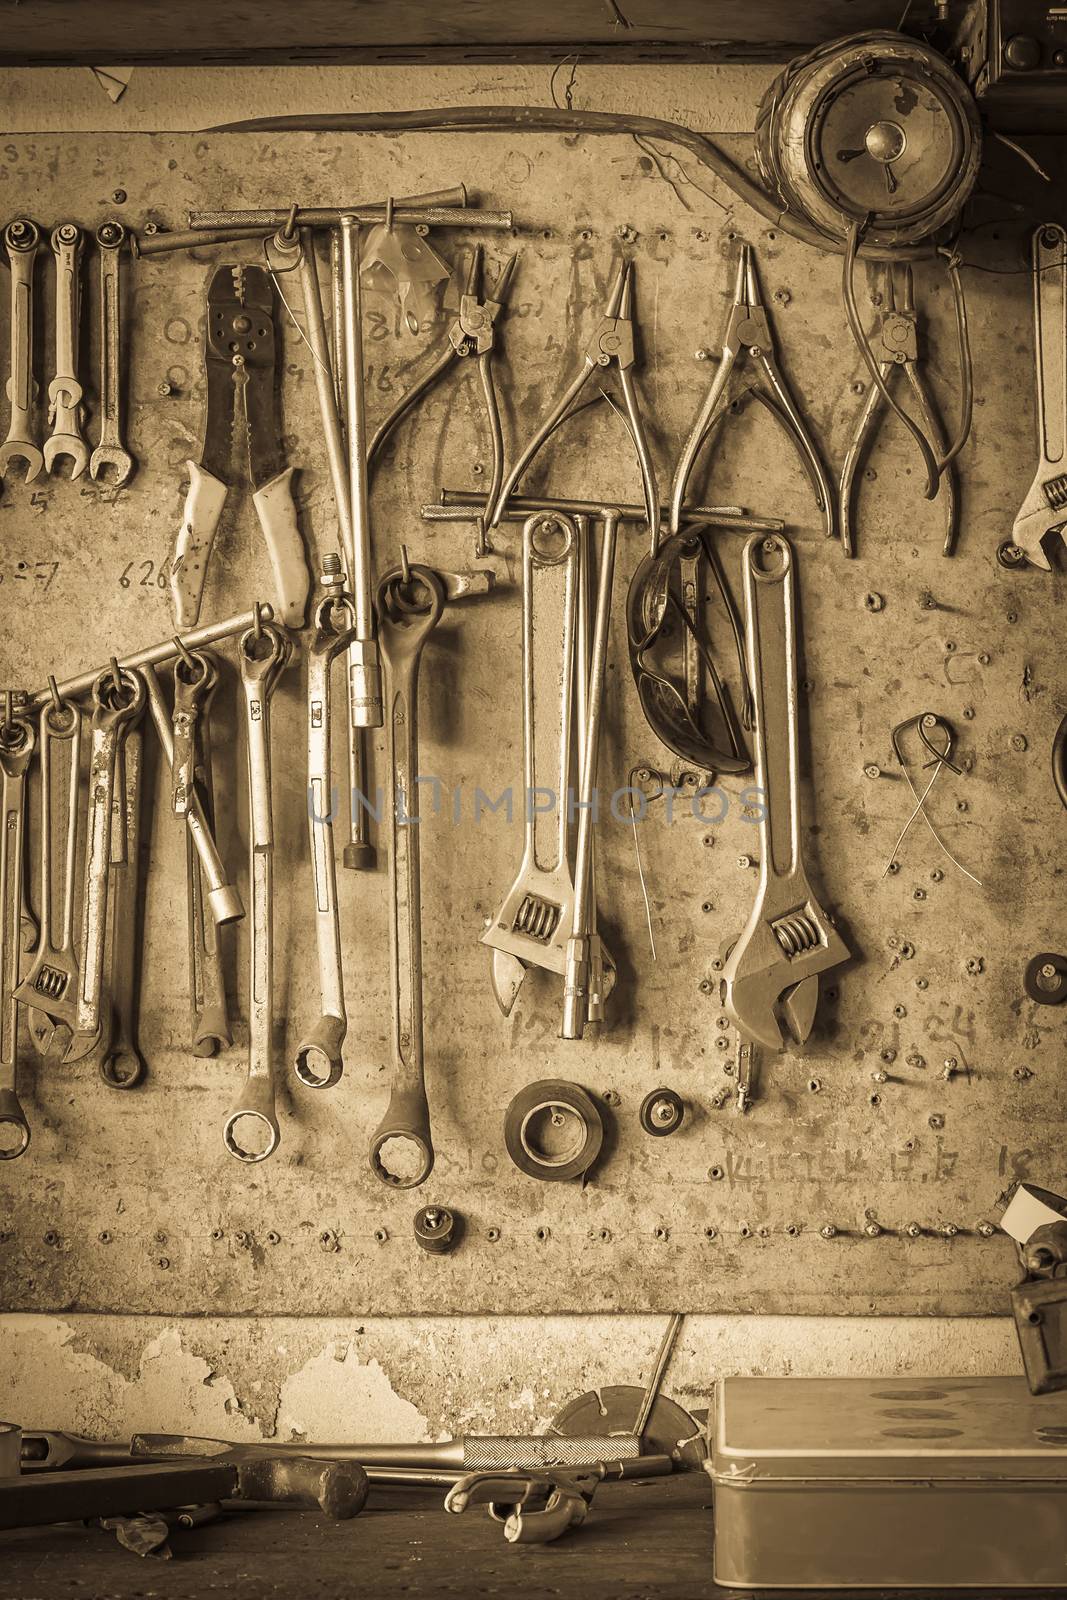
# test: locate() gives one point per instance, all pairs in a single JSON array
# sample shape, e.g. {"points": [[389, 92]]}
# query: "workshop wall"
{"points": [[412, 1376]]}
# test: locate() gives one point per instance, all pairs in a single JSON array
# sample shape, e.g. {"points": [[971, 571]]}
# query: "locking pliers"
{"points": [[896, 345], [612, 345], [748, 333], [472, 331]]}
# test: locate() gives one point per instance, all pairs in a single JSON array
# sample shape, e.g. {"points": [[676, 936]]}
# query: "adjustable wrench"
{"points": [[21, 239], [255, 1103], [116, 707], [318, 1059], [207, 987], [535, 920], [788, 940], [64, 391], [223, 898], [17, 743], [121, 1063], [409, 608], [1044, 511], [50, 987], [111, 452]]}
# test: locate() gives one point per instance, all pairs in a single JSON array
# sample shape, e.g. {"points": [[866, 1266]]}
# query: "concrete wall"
{"points": [[406, 1378]]}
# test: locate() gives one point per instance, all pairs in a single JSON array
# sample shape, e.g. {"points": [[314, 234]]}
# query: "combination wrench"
{"points": [[17, 743], [409, 606], [318, 1060], [788, 940], [535, 920], [118, 702], [254, 1107], [223, 898], [50, 987], [22, 239], [120, 1061], [64, 391], [1044, 510], [111, 452], [210, 1019]]}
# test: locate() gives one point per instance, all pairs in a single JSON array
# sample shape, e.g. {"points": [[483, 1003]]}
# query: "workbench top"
{"points": [[641, 1541]]}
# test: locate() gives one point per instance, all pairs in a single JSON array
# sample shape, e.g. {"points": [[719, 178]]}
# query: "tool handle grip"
{"points": [[337, 1488], [276, 511], [192, 548]]}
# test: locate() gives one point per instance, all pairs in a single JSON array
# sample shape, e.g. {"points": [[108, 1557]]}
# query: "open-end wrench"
{"points": [[64, 391], [210, 1017], [318, 1060], [788, 940], [116, 707], [1044, 511], [111, 452], [409, 607], [50, 987], [17, 743], [122, 1065], [21, 239], [535, 920], [262, 661], [223, 898]]}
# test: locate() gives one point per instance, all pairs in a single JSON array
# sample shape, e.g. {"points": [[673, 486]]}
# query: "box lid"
{"points": [[769, 1429]]}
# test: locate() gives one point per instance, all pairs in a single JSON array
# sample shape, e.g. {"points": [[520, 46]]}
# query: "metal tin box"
{"points": [[889, 1483]]}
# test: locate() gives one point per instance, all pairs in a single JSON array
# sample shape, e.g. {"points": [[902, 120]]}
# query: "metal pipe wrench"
{"points": [[241, 357], [318, 1061], [533, 925], [262, 661], [65, 392], [789, 940], [22, 239], [1044, 511], [18, 740], [410, 604]]}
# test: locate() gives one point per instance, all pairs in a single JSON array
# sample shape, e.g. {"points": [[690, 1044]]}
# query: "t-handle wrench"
{"points": [[318, 1059], [262, 661], [22, 239], [118, 701], [64, 391], [1044, 511], [111, 452], [410, 604], [17, 743]]}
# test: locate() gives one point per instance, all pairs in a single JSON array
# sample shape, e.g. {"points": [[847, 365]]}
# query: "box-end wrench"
{"points": [[410, 604], [64, 391], [118, 702], [789, 940], [210, 1017], [534, 922], [21, 240], [223, 898], [1044, 511], [318, 1062], [50, 987], [111, 452], [262, 660], [122, 1065], [17, 743], [602, 970]]}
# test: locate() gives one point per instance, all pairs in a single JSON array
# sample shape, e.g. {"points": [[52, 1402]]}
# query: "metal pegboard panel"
{"points": [[129, 1201]]}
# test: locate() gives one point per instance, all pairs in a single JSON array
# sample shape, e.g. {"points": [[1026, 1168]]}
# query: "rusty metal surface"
{"points": [[130, 1202], [60, 32]]}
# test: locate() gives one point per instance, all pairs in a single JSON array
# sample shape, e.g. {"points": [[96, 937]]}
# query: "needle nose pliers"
{"points": [[896, 346], [612, 345], [472, 332], [748, 333]]}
